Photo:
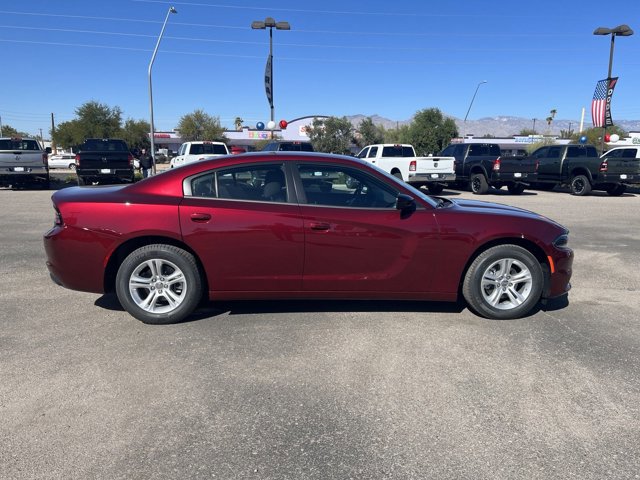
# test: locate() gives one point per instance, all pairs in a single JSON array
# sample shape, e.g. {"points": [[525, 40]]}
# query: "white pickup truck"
{"points": [[194, 151], [401, 161]]}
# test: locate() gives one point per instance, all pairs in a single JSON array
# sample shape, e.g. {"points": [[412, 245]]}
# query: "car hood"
{"points": [[498, 209]]}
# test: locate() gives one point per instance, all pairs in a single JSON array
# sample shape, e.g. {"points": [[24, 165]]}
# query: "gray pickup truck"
{"points": [[580, 167], [23, 162], [104, 161]]}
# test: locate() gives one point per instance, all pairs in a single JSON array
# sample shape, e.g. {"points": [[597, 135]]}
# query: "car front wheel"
{"points": [[159, 284], [503, 282]]}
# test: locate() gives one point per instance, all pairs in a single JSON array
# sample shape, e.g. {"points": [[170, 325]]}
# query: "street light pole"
{"points": [[153, 57], [464, 127], [623, 31], [270, 23]]}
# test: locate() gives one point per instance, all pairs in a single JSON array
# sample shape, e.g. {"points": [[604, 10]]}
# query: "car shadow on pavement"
{"points": [[213, 309]]}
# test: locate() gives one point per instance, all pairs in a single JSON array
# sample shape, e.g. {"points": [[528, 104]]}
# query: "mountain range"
{"points": [[503, 126]]}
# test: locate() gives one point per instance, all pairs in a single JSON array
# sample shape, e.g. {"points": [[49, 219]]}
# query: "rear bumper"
{"points": [[11, 176], [514, 177], [628, 178], [424, 178], [98, 173]]}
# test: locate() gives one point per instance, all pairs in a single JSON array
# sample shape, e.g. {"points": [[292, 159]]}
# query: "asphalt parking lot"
{"points": [[323, 390]]}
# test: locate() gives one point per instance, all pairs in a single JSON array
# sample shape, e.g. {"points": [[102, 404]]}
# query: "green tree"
{"points": [[94, 120], [525, 132], [594, 135], [331, 135], [370, 133], [9, 131], [396, 135], [198, 126], [429, 131], [136, 134]]}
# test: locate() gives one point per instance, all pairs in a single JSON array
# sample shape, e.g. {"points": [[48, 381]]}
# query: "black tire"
{"points": [[617, 189], [478, 184], [497, 294], [580, 186], [435, 188], [397, 174], [156, 286], [515, 188]]}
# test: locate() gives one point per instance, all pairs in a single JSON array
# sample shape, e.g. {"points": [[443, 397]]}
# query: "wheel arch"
{"points": [[123, 250], [581, 171], [528, 245]]}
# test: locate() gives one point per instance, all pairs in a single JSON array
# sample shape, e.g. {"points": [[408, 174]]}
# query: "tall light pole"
{"points": [[153, 57], [270, 23], [464, 127], [622, 31]]}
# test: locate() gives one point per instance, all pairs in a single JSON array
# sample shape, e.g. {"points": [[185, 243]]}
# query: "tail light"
{"points": [[412, 166], [537, 164], [496, 165], [604, 166], [45, 159], [77, 159], [130, 158]]}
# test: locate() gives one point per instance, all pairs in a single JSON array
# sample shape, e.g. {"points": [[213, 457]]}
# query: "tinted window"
{"points": [[554, 152], [338, 186], [264, 183], [449, 151], [105, 145], [397, 151], [373, 153], [296, 147], [484, 150], [363, 152], [540, 153], [25, 145]]}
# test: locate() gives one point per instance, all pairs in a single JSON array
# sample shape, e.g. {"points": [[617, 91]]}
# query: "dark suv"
{"points": [[281, 146]]}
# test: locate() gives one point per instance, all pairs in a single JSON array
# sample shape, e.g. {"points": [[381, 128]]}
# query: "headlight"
{"points": [[562, 241]]}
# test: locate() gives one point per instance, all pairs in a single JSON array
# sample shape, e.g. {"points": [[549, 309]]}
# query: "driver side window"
{"points": [[338, 186]]}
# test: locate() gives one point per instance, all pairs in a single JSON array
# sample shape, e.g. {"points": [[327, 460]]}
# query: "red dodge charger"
{"points": [[299, 225]]}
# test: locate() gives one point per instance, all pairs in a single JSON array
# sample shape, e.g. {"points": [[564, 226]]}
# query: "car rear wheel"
{"points": [[516, 188], [617, 189], [159, 284], [479, 184], [435, 188], [503, 282], [397, 174], [580, 186]]}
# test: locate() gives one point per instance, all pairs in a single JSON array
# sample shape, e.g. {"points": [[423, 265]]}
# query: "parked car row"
{"points": [[481, 166]]}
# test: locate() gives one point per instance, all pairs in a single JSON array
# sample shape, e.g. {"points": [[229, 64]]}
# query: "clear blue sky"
{"points": [[340, 58]]}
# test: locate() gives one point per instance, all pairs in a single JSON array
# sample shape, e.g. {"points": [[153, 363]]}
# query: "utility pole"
{"points": [[53, 131]]}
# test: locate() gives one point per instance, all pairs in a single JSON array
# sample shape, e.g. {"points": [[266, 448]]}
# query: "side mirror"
{"points": [[48, 149], [406, 205]]}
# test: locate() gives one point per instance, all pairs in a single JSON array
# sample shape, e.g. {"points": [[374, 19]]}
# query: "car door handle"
{"points": [[200, 217], [321, 227]]}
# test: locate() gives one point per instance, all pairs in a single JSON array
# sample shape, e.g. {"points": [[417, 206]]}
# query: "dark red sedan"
{"points": [[298, 225]]}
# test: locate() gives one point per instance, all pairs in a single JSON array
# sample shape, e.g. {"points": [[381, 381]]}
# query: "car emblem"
{"points": [[104, 159]]}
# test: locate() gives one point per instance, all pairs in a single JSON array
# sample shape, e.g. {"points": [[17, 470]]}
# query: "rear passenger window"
{"points": [[262, 183]]}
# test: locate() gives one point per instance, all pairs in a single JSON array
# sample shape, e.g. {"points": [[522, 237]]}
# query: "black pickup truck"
{"points": [[580, 167], [104, 161], [481, 165]]}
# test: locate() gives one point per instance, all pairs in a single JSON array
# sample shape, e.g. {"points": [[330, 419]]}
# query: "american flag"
{"points": [[599, 103]]}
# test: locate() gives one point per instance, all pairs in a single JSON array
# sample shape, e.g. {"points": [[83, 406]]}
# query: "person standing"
{"points": [[146, 163]]}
